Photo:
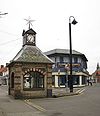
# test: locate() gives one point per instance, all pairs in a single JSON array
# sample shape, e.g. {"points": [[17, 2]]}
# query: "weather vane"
{"points": [[29, 21]]}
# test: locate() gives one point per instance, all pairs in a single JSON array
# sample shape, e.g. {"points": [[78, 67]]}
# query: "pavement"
{"points": [[12, 107], [60, 92]]}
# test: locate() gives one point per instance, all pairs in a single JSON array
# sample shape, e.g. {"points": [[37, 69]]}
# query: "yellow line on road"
{"points": [[35, 106]]}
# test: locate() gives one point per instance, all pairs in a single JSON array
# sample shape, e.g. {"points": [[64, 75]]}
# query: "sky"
{"points": [[52, 27]]}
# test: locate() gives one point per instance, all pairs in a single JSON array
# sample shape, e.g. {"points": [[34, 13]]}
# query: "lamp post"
{"points": [[70, 43]]}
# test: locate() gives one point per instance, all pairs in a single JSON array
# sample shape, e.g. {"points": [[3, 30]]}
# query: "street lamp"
{"points": [[70, 42]]}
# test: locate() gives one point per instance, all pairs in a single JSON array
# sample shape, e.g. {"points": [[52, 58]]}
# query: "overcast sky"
{"points": [[52, 26]]}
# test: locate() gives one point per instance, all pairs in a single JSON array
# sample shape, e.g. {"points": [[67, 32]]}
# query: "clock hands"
{"points": [[30, 38]]}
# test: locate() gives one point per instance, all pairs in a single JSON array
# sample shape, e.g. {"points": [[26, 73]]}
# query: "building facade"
{"points": [[30, 71], [96, 74], [3, 75], [61, 68]]}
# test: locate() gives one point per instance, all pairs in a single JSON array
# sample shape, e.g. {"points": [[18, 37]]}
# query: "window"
{"points": [[75, 80], [53, 80], [75, 60], [61, 59], [62, 80], [84, 80], [33, 80]]}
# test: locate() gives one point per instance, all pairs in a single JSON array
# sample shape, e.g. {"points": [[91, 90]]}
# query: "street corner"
{"points": [[63, 92]]}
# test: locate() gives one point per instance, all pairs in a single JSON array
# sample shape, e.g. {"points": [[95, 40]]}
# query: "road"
{"points": [[84, 104]]}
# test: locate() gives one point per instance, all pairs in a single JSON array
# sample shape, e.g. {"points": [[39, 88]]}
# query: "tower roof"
{"points": [[31, 54], [30, 31]]}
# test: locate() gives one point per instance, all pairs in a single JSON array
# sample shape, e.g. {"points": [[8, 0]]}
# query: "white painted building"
{"points": [[61, 68]]}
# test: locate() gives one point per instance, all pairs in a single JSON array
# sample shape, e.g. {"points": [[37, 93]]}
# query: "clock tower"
{"points": [[29, 37], [30, 71]]}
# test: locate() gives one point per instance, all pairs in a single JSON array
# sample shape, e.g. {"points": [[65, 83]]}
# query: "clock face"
{"points": [[30, 38]]}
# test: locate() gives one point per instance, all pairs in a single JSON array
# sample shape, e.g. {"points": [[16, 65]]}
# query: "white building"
{"points": [[61, 68]]}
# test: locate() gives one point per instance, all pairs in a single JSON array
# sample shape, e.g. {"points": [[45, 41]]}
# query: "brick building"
{"points": [[30, 71], [3, 75], [96, 74]]}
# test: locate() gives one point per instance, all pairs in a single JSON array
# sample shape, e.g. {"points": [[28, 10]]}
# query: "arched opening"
{"points": [[33, 80], [12, 80]]}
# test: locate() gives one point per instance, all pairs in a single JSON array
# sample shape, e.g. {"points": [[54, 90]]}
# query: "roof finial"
{"points": [[29, 21]]}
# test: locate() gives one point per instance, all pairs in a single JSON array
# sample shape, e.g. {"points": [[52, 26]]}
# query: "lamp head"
{"points": [[74, 22], [5, 13]]}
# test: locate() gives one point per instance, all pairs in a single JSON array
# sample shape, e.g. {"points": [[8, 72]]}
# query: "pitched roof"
{"points": [[31, 54], [64, 51], [30, 31], [3, 69]]}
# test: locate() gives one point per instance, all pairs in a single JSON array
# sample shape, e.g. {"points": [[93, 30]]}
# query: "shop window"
{"points": [[53, 80], [62, 80], [83, 80], [33, 80], [75, 80], [12, 80]]}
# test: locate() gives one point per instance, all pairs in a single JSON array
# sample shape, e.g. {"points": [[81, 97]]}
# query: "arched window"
{"points": [[33, 80], [12, 80]]}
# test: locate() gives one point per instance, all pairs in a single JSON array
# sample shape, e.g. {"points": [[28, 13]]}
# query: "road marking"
{"points": [[81, 91], [35, 106], [78, 91]]}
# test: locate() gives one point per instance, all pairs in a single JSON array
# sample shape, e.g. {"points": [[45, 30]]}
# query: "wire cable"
{"points": [[1, 44], [8, 33]]}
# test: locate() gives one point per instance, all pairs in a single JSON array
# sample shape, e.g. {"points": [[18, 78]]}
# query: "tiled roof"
{"points": [[62, 51], [31, 54], [3, 69]]}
